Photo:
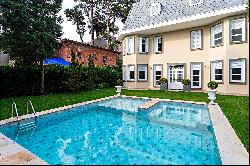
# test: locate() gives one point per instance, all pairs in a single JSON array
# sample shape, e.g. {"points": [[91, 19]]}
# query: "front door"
{"points": [[175, 76], [157, 74], [196, 75]]}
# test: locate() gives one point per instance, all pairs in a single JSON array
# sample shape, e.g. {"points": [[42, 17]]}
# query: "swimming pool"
{"points": [[115, 131]]}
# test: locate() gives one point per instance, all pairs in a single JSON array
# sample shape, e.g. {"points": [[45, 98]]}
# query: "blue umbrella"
{"points": [[57, 61]]}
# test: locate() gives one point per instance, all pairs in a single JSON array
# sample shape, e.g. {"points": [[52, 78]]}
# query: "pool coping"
{"points": [[231, 150]]}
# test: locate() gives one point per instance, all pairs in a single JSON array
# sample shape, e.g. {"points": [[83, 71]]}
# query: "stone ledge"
{"points": [[12, 153], [232, 151], [148, 104]]}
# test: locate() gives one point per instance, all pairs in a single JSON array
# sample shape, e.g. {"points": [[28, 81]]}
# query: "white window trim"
{"points": [[212, 35], [192, 4], [191, 39], [140, 45], [243, 30], [153, 12], [212, 70], [146, 72], [128, 73], [243, 71], [156, 48]]}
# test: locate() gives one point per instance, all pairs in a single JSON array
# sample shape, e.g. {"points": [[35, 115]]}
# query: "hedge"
{"points": [[25, 80]]}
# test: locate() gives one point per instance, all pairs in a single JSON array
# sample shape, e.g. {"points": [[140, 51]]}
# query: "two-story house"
{"points": [[201, 40]]}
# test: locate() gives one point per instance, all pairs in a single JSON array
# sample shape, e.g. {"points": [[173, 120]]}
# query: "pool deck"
{"points": [[232, 151]]}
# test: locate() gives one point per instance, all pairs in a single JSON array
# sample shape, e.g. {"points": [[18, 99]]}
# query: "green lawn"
{"points": [[236, 108]]}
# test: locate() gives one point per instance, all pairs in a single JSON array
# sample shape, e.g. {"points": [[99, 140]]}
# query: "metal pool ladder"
{"points": [[27, 125]]}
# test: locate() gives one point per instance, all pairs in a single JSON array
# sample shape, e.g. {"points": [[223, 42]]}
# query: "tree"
{"points": [[102, 15], [77, 17], [31, 30]]}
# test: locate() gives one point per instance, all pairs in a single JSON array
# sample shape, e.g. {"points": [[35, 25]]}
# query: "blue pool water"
{"points": [[116, 132]]}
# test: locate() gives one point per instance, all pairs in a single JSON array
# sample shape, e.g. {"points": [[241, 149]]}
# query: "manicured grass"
{"points": [[236, 108], [46, 102]]}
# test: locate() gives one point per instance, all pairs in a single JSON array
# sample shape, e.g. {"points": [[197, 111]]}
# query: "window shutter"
{"points": [[199, 39], [124, 72], [158, 8], [155, 45], [127, 45], [124, 47], [140, 44], [146, 45], [132, 45]]}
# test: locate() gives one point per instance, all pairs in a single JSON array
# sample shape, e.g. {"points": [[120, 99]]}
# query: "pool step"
{"points": [[147, 105], [27, 126]]}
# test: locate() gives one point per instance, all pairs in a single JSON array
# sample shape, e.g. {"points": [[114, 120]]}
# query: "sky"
{"points": [[69, 30]]}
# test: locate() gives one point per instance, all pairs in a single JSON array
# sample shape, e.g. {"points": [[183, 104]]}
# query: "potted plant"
{"points": [[119, 86], [186, 85], [212, 85], [163, 84]]}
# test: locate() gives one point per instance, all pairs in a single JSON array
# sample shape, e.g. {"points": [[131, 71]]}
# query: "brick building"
{"points": [[84, 51]]}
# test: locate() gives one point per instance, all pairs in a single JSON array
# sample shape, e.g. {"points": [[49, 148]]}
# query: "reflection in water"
{"points": [[66, 159], [164, 134]]}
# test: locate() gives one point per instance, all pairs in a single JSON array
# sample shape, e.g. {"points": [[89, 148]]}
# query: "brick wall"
{"points": [[85, 51]]}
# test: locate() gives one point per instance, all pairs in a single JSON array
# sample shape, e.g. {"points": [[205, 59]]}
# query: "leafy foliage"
{"points": [[24, 80], [163, 80], [186, 82], [212, 85], [101, 16], [77, 17], [31, 29]]}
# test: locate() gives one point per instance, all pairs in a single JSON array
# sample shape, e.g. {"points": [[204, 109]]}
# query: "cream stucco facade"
{"points": [[176, 50]]}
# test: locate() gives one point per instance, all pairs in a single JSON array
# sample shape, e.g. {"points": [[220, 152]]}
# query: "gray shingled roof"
{"points": [[139, 16]]}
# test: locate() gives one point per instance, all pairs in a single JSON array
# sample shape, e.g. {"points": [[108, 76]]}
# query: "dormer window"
{"points": [[155, 9], [195, 2]]}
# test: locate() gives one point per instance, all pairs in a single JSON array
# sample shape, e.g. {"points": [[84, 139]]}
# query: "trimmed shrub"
{"points": [[25, 80]]}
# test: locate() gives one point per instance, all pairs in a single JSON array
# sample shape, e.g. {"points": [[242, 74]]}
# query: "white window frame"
{"points": [[129, 67], [142, 41], [212, 34], [216, 65], [155, 9], [197, 3], [196, 66], [243, 34], [129, 45], [243, 70], [142, 67], [156, 44]]}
